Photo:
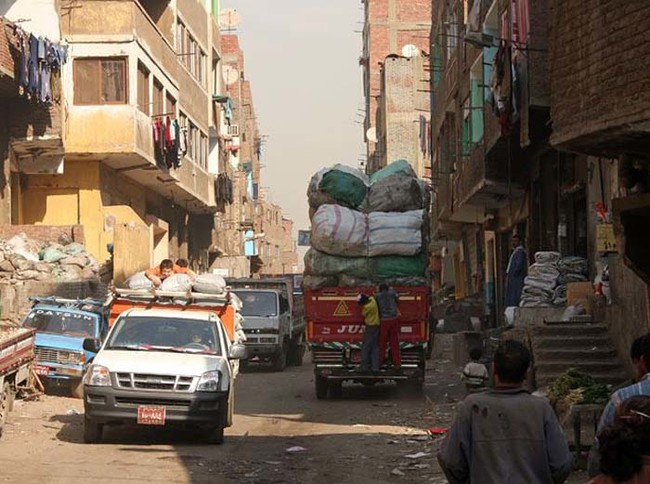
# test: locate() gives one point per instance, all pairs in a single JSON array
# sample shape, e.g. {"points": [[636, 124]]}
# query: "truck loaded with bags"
{"points": [[366, 231]]}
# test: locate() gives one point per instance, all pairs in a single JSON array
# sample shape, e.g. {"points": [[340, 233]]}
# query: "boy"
{"points": [[370, 347], [475, 374]]}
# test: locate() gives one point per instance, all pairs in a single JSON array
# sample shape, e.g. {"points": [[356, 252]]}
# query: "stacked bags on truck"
{"points": [[367, 229], [203, 283]]}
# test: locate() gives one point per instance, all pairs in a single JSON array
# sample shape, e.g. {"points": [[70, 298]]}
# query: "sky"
{"points": [[301, 57]]}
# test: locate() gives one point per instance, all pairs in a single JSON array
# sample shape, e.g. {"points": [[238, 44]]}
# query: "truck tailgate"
{"points": [[16, 346]]}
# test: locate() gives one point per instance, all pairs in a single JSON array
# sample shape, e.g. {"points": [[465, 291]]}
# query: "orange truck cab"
{"points": [[177, 301]]}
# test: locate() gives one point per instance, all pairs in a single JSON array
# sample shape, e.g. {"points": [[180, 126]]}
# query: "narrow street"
{"points": [[365, 436]]}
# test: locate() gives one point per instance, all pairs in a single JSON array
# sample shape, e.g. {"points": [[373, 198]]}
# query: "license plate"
{"points": [[42, 370], [151, 415]]}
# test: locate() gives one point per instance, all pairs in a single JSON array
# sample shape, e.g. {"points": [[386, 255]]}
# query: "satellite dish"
{"points": [[409, 50], [230, 75], [229, 19], [371, 134]]}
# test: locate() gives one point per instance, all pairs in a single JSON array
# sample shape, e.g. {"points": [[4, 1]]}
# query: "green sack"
{"points": [[392, 266], [345, 188], [399, 167], [321, 264]]}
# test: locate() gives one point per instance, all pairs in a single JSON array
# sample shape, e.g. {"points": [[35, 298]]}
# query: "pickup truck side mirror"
{"points": [[92, 345], [238, 352]]}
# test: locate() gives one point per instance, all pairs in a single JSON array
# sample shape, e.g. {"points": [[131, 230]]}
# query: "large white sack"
{"points": [[139, 281], [395, 233], [210, 284], [338, 230], [176, 283]]}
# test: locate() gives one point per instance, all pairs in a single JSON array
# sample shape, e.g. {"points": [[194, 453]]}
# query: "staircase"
{"points": [[582, 345]]}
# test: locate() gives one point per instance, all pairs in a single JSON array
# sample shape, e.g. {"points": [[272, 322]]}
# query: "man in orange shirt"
{"points": [[166, 268]]}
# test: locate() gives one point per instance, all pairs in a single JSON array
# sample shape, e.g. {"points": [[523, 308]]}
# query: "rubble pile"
{"points": [[26, 259]]}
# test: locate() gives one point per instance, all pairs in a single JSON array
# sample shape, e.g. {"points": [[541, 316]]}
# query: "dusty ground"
{"points": [[366, 436]]}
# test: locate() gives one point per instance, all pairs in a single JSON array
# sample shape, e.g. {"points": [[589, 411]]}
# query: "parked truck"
{"points": [[61, 326], [335, 333], [168, 359], [274, 320], [16, 358]]}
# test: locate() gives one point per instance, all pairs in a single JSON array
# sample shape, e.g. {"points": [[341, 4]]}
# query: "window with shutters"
{"points": [[100, 81]]}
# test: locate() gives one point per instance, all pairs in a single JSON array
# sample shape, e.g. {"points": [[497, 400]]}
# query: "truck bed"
{"points": [[16, 346]]}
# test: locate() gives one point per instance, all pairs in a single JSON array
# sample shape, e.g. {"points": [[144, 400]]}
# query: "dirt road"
{"points": [[369, 435]]}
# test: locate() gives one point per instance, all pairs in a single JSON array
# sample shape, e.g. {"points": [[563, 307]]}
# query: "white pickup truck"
{"points": [[160, 367]]}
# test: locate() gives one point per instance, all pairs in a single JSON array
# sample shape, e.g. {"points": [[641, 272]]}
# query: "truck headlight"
{"points": [[97, 376], [71, 357], [209, 382]]}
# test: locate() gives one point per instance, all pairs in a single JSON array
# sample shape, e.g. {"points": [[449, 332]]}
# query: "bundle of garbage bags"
{"points": [[203, 283], [547, 279], [366, 229]]}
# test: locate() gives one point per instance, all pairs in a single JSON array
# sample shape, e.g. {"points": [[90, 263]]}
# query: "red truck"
{"points": [[16, 359], [335, 333]]}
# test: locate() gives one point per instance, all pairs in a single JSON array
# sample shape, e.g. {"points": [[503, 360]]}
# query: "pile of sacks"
{"points": [[25, 259], [547, 279], [203, 283], [367, 229]]}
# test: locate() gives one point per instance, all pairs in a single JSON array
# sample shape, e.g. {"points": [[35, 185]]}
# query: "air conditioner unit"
{"points": [[232, 130]]}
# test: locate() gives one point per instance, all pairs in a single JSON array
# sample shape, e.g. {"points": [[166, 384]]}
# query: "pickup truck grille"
{"points": [[141, 381], [128, 402], [56, 356]]}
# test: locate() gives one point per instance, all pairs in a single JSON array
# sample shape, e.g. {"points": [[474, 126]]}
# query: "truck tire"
{"points": [[92, 431], [279, 362], [77, 388], [320, 383], [336, 389], [215, 435], [4, 405], [296, 351]]}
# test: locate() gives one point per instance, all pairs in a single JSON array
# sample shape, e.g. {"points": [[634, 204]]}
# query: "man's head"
{"points": [[166, 268], [363, 299], [643, 365], [511, 362], [516, 240], [475, 353], [182, 263], [383, 287]]}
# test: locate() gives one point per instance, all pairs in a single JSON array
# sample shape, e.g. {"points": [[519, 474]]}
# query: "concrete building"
{"points": [[391, 27]]}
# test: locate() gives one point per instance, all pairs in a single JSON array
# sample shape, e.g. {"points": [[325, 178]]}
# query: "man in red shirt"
{"points": [[165, 269]]}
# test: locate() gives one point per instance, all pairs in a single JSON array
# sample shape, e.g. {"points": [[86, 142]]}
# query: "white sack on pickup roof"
{"points": [[176, 283], [139, 281], [209, 284], [395, 233], [337, 230]]}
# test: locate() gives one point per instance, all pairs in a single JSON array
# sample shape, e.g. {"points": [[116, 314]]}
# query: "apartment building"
{"points": [[395, 97]]}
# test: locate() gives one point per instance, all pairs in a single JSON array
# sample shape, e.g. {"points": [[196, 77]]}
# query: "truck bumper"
{"points": [[353, 373], [55, 371], [262, 351], [108, 405]]}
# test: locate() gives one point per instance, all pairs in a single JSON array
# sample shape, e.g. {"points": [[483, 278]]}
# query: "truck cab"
{"points": [[273, 320], [61, 326]]}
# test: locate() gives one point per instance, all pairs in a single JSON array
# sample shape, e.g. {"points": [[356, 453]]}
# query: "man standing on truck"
{"points": [[387, 299], [165, 269], [370, 347]]}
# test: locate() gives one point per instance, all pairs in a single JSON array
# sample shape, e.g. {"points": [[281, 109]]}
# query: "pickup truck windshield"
{"points": [[143, 333], [62, 322], [261, 304]]}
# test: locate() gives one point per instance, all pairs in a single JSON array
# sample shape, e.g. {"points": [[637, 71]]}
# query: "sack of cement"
{"points": [[209, 284], [176, 283], [139, 281], [337, 230], [395, 233], [342, 184]]}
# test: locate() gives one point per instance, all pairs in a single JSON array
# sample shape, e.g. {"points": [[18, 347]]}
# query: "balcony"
{"points": [[118, 21], [122, 137]]}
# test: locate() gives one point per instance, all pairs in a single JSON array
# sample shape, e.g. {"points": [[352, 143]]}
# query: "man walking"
{"points": [[506, 435], [387, 299], [516, 272]]}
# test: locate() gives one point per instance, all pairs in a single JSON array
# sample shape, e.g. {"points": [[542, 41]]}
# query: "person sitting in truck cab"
{"points": [[165, 269]]}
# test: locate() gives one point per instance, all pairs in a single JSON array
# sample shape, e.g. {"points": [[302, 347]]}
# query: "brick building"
{"points": [[391, 27]]}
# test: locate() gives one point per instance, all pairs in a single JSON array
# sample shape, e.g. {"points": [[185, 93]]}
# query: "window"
{"points": [[170, 106], [191, 54], [451, 34], [215, 73], [158, 107], [476, 100], [143, 89], [100, 81]]}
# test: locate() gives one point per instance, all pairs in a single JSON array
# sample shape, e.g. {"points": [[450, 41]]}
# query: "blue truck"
{"points": [[61, 326]]}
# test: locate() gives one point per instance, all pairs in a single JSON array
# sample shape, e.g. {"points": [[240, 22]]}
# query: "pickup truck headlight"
{"points": [[97, 376], [71, 357], [209, 382]]}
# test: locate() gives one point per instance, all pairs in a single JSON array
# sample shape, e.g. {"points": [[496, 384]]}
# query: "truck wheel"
{"points": [[413, 388], [296, 352], [336, 389], [215, 435], [321, 387], [280, 360], [77, 388], [92, 431], [4, 405]]}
